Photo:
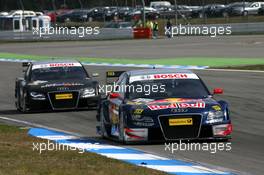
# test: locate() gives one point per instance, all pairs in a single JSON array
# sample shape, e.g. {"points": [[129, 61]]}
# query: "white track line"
{"points": [[105, 154]]}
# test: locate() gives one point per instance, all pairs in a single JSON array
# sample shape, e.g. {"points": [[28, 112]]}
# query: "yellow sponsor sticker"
{"points": [[110, 73], [138, 111], [217, 108], [180, 121], [63, 96]]}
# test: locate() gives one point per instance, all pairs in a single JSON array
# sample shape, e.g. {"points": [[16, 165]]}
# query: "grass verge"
{"points": [[17, 157], [246, 67], [197, 61]]}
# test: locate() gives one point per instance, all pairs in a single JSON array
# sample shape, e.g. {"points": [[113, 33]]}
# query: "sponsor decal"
{"points": [[114, 113], [61, 84], [144, 124], [175, 100], [180, 121], [140, 101], [114, 130], [217, 108], [41, 66], [37, 82], [63, 96], [179, 110], [177, 105], [163, 76], [138, 111]]}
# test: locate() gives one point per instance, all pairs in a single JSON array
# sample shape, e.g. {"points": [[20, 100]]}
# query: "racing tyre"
{"points": [[17, 99], [23, 105]]}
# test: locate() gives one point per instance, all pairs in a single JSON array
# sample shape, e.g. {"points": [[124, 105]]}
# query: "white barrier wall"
{"points": [[104, 34]]}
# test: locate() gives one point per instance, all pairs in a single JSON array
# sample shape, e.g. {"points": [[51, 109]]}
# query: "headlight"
{"points": [[37, 96], [88, 92], [215, 116]]}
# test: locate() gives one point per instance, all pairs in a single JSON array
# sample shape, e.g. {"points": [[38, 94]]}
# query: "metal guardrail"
{"points": [[105, 34]]}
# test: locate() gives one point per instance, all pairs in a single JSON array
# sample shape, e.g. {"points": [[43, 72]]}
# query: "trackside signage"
{"points": [[163, 76]]}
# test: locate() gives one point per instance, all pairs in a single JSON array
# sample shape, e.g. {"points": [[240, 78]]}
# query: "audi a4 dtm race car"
{"points": [[179, 106], [56, 85]]}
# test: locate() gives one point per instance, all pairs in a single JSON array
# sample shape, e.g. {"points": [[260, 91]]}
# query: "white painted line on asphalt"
{"points": [[133, 156], [184, 169], [59, 137]]}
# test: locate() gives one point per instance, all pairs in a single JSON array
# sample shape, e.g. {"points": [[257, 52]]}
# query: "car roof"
{"points": [[156, 71], [54, 61]]}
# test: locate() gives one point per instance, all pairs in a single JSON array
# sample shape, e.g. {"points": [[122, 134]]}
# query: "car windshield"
{"points": [[58, 73], [173, 88]]}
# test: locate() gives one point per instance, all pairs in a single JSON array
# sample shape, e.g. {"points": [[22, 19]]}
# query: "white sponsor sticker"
{"points": [[163, 76], [40, 66]]}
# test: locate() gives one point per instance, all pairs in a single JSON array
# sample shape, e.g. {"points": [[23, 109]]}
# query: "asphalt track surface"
{"points": [[243, 90], [198, 46]]}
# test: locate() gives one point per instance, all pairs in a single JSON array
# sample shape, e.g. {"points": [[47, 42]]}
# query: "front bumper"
{"points": [[207, 132], [47, 104]]}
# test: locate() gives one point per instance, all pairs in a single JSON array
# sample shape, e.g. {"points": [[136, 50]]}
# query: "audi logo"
{"points": [[63, 88]]}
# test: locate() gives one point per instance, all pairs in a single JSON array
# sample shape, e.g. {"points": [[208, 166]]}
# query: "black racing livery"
{"points": [[55, 85], [182, 109]]}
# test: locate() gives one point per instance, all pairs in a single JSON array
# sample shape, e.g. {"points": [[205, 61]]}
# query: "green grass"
{"points": [[199, 61], [247, 67], [18, 157]]}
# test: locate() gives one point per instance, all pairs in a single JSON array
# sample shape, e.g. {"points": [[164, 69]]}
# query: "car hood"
{"points": [[62, 85], [172, 105]]}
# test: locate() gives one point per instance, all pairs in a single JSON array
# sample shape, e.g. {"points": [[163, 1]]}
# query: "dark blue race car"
{"points": [[162, 105]]}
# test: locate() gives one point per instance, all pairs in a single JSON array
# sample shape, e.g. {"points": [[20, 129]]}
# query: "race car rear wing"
{"points": [[112, 76]]}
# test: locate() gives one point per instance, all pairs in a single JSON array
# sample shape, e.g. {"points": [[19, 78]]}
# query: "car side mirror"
{"points": [[218, 91], [95, 74], [114, 95]]}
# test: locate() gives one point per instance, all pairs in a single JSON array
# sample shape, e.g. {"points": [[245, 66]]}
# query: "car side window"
{"points": [[123, 86], [121, 82]]}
